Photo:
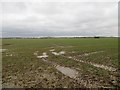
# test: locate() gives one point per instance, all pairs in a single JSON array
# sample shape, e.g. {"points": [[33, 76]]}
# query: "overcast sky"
{"points": [[28, 19]]}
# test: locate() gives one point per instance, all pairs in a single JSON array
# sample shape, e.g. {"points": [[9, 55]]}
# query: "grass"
{"points": [[27, 68]]}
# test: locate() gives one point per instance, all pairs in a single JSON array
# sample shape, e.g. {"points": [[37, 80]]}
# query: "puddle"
{"points": [[43, 56], [55, 53], [69, 57], [9, 55], [72, 73], [103, 67], [60, 53], [96, 65], [87, 54], [73, 51], [52, 50], [36, 53], [3, 50]]}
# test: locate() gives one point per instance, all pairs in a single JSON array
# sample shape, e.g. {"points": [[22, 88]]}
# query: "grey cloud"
{"points": [[60, 19]]}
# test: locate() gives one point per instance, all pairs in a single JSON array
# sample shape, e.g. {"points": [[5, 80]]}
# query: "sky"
{"points": [[66, 18]]}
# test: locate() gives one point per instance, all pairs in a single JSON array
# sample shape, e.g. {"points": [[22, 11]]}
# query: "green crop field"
{"points": [[51, 63]]}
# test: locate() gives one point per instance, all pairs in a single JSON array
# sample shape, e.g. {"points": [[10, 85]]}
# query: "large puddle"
{"points": [[72, 73]]}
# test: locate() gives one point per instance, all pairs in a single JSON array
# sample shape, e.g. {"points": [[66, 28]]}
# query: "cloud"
{"points": [[59, 19]]}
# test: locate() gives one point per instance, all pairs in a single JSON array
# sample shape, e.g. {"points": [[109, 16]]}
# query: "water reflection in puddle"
{"points": [[72, 73]]}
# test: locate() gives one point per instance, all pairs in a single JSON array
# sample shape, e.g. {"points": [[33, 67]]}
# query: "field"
{"points": [[60, 63]]}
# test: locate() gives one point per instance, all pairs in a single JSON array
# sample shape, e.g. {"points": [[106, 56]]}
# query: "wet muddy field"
{"points": [[60, 63]]}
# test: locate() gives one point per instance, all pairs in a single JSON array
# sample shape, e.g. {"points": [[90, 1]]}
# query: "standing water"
{"points": [[67, 71]]}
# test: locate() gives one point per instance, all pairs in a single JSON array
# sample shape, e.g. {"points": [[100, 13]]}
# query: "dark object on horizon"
{"points": [[6, 44], [96, 37]]}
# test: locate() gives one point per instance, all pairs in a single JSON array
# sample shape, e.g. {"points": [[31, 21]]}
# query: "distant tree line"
{"points": [[96, 37]]}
